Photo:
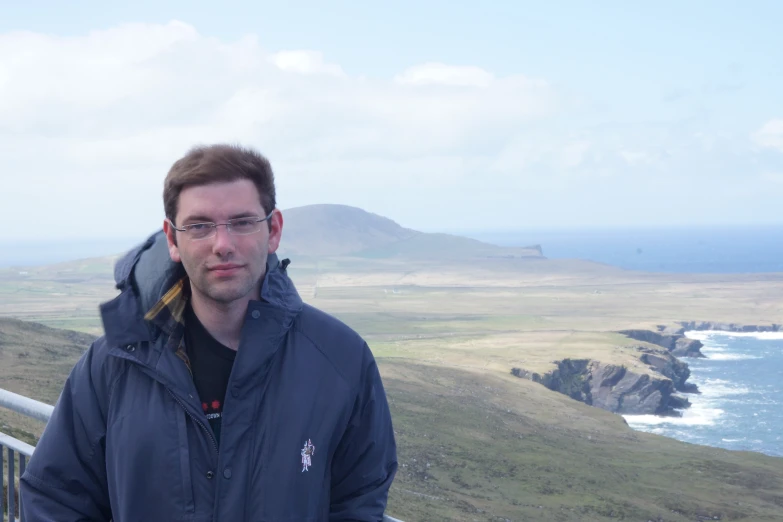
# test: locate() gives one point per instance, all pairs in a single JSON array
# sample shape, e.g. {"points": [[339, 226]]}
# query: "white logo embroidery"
{"points": [[307, 453]]}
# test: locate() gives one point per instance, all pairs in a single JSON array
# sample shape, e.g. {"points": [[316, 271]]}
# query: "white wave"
{"points": [[696, 415], [717, 388], [703, 335], [709, 348], [730, 356]]}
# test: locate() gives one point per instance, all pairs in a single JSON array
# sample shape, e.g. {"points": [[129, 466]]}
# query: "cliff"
{"points": [[616, 388], [675, 342], [669, 366]]}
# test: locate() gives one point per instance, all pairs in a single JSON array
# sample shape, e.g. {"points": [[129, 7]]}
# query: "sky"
{"points": [[441, 116]]}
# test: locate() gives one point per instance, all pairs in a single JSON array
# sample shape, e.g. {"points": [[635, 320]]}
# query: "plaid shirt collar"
{"points": [[168, 314]]}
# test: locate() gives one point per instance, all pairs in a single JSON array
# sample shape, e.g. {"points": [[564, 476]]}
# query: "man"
{"points": [[215, 393]]}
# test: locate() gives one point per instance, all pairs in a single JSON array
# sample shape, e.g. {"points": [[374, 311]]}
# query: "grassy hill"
{"points": [[34, 361]]}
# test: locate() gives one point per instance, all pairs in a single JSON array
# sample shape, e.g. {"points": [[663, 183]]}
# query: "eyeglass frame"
{"points": [[214, 226]]}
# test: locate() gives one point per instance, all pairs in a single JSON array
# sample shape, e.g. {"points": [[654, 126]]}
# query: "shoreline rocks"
{"points": [[676, 343]]}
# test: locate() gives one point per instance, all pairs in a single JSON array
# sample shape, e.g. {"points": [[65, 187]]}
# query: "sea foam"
{"points": [[703, 335]]}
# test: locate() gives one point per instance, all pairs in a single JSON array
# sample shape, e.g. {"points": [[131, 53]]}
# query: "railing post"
{"points": [[11, 487], [2, 482], [22, 467]]}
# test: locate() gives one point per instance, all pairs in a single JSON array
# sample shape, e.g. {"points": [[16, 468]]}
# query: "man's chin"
{"points": [[228, 293]]}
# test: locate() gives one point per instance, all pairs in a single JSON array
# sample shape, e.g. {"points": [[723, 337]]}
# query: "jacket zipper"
{"points": [[198, 421]]}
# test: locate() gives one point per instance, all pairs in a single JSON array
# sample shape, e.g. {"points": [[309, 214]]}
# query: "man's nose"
{"points": [[223, 242]]}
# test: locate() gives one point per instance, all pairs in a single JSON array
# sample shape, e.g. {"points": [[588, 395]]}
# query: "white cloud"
{"points": [[773, 177], [634, 157], [529, 152], [770, 135], [99, 118], [305, 62], [90, 124], [442, 74]]}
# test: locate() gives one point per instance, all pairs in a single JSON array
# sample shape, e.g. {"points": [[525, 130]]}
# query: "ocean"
{"points": [[741, 402], [37, 253], [727, 250]]}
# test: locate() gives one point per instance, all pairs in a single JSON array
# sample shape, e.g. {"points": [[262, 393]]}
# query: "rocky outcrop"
{"points": [[611, 387], [669, 366], [616, 389], [676, 343]]}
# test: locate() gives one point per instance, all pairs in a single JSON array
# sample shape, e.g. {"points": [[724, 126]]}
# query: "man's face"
{"points": [[224, 268]]}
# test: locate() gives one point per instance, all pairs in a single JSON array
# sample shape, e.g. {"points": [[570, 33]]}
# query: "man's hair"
{"points": [[205, 164]]}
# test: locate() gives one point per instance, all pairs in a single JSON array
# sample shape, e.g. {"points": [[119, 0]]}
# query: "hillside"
{"points": [[480, 446], [34, 361], [34, 357], [339, 230]]}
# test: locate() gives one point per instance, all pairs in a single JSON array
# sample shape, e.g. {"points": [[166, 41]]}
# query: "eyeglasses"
{"points": [[237, 227]]}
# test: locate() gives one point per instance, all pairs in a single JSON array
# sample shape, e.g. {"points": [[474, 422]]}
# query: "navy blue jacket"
{"points": [[128, 440]]}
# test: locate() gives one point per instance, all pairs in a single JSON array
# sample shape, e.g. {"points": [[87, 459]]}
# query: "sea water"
{"points": [[740, 406], [717, 250]]}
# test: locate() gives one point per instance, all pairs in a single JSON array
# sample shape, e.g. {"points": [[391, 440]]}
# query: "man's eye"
{"points": [[198, 226]]}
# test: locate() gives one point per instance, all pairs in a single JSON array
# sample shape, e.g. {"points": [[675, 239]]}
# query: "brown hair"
{"points": [[205, 164]]}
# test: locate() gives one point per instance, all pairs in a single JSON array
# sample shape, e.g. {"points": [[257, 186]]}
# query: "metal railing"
{"points": [[15, 447], [15, 451]]}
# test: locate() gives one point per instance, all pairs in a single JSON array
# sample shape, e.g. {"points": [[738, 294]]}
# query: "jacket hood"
{"points": [[147, 272]]}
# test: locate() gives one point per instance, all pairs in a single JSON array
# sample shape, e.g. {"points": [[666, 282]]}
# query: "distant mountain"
{"points": [[334, 230], [340, 230]]}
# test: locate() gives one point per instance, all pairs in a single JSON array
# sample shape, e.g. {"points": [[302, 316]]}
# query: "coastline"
{"points": [[708, 414]]}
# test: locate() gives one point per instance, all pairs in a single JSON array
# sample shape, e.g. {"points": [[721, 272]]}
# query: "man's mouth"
{"points": [[224, 269]]}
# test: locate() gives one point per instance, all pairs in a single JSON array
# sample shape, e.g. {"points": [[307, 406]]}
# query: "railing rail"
{"points": [[25, 405], [17, 448]]}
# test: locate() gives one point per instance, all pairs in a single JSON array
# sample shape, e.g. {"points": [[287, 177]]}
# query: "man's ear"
{"points": [[171, 239], [276, 230]]}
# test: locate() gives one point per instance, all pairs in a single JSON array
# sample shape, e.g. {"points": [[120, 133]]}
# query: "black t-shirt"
{"points": [[211, 363]]}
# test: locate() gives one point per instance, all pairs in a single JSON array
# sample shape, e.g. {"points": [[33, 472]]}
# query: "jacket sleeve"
{"points": [[365, 461], [65, 480]]}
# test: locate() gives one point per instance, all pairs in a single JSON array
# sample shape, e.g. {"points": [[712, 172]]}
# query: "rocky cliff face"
{"points": [[669, 366], [620, 390], [676, 343], [615, 388]]}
